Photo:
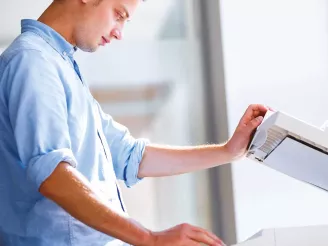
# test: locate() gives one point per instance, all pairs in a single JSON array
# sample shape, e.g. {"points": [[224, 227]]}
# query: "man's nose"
{"points": [[117, 34]]}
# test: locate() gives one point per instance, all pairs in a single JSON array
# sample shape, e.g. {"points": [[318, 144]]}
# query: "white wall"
{"points": [[135, 62], [276, 53]]}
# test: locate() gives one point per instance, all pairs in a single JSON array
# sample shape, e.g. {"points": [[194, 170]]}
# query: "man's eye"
{"points": [[119, 16]]}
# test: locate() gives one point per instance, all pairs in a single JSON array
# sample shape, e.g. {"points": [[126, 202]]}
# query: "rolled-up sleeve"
{"points": [[126, 151], [38, 115]]}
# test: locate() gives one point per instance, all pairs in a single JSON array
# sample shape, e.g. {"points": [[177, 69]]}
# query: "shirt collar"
{"points": [[52, 37]]}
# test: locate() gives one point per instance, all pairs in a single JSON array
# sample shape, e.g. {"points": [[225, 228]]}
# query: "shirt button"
{"points": [[64, 53]]}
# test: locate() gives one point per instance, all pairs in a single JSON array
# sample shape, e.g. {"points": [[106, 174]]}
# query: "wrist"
{"points": [[230, 152], [149, 239]]}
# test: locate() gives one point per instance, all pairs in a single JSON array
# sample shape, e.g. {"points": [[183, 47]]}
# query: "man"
{"points": [[60, 154]]}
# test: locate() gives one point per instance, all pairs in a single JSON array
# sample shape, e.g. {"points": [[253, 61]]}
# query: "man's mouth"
{"points": [[105, 41]]}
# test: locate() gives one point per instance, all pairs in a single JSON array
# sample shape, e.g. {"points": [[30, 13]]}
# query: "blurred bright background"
{"points": [[184, 74]]}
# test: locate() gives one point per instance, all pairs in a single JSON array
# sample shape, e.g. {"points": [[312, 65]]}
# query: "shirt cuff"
{"points": [[132, 169], [42, 166]]}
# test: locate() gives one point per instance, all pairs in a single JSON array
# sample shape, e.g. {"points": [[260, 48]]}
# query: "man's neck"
{"points": [[56, 17]]}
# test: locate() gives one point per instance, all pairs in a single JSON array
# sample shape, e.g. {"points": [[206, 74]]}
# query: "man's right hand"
{"points": [[185, 235], [72, 191]]}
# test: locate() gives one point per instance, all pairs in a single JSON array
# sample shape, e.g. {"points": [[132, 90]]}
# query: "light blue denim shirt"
{"points": [[47, 115]]}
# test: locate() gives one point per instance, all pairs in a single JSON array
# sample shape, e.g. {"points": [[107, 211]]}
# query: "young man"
{"points": [[60, 154]]}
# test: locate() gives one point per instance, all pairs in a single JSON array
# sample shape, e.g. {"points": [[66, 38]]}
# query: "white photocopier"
{"points": [[299, 150], [295, 236]]}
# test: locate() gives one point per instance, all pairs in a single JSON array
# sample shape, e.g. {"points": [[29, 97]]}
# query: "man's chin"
{"points": [[89, 49]]}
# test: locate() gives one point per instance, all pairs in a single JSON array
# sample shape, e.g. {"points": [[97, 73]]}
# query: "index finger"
{"points": [[201, 237], [209, 234]]}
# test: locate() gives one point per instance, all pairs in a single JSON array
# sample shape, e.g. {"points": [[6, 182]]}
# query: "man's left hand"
{"points": [[252, 118]]}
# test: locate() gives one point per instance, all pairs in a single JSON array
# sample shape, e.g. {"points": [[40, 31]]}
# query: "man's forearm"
{"points": [[159, 161], [70, 190]]}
